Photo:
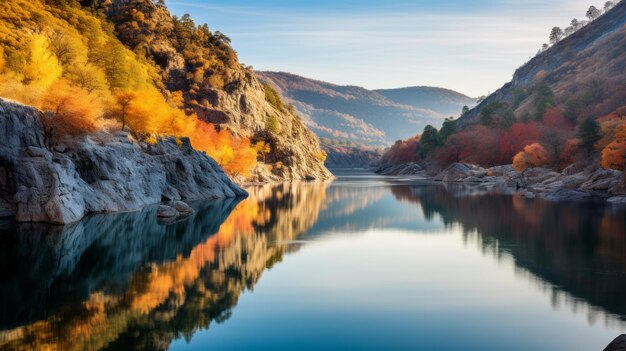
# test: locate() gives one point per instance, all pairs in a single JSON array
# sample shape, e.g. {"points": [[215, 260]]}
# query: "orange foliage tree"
{"points": [[69, 110], [534, 155], [614, 154], [235, 155]]}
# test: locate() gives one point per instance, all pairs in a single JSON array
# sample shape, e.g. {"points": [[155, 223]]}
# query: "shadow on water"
{"points": [[126, 282]]}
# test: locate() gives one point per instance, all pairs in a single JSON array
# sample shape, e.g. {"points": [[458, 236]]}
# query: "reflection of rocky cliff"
{"points": [[68, 263], [579, 249], [154, 295]]}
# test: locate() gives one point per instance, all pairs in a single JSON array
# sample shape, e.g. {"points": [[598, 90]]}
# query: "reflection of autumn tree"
{"points": [[563, 244], [178, 297]]}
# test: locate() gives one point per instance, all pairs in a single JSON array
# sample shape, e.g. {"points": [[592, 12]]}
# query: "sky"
{"points": [[469, 46]]}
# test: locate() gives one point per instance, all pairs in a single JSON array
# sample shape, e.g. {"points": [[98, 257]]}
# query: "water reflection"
{"points": [[127, 282], [578, 249]]}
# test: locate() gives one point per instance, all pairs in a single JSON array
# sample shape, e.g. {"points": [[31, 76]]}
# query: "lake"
{"points": [[363, 263]]}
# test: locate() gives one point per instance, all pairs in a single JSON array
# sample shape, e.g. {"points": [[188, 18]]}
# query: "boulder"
{"points": [[410, 168], [539, 175], [501, 171], [97, 173], [619, 344], [620, 187], [601, 180], [574, 168], [458, 172]]}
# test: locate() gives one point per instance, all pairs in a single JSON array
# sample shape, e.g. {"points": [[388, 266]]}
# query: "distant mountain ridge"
{"points": [[368, 117], [441, 100]]}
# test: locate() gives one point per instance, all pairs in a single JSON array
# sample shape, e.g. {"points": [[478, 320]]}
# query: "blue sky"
{"points": [[469, 46]]}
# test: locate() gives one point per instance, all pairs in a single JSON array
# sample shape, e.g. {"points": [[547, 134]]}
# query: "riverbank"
{"points": [[574, 183], [106, 172]]}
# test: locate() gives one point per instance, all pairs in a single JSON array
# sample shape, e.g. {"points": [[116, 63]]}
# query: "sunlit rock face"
{"points": [[223, 91], [100, 173]]}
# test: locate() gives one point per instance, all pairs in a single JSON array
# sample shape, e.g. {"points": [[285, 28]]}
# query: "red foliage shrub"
{"points": [[554, 118], [515, 139]]}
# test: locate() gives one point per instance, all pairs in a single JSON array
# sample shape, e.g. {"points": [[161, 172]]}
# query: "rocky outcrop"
{"points": [[619, 344], [248, 113], [403, 169], [575, 183], [99, 173]]}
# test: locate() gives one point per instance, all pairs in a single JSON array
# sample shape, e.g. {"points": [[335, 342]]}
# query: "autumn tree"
{"points": [[43, 67], [589, 134], [2, 60], [533, 155], [88, 77], [68, 110], [123, 100], [614, 154], [515, 139]]}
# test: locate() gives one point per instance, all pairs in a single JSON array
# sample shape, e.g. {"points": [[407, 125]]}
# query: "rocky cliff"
{"points": [[246, 111], [204, 68], [98, 173]]}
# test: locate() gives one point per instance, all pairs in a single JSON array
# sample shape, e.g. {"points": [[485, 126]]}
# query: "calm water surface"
{"points": [[364, 263]]}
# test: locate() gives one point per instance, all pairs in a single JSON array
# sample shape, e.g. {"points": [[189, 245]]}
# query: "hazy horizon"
{"points": [[472, 48]]}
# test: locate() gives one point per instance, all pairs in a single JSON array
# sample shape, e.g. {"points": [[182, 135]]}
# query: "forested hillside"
{"points": [[567, 105], [367, 117], [108, 65]]}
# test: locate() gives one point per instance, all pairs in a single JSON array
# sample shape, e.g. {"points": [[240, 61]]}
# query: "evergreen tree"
{"points": [[589, 134]]}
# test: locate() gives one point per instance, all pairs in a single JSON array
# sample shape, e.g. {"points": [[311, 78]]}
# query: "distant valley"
{"points": [[373, 118]]}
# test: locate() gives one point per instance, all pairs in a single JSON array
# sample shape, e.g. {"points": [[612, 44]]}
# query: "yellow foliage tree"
{"points": [[43, 67], [2, 61], [262, 148], [533, 155], [123, 100], [89, 77]]}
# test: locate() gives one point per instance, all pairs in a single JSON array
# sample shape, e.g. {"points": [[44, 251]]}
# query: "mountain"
{"points": [[444, 101], [564, 110], [586, 72], [372, 118]]}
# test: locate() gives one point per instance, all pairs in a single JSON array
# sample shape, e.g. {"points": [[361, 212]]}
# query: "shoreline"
{"points": [[573, 184]]}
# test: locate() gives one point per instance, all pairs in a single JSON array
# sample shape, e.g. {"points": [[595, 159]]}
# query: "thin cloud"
{"points": [[471, 48]]}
